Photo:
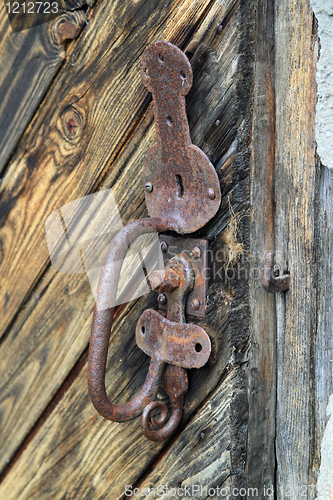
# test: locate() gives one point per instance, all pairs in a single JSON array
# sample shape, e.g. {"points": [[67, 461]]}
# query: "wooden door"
{"points": [[76, 119]]}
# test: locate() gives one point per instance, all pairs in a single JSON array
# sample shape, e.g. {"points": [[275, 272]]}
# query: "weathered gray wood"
{"points": [[322, 347], [260, 465], [295, 175]]}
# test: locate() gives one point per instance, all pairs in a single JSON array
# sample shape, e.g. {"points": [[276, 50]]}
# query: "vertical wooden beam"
{"points": [[295, 60], [323, 340], [261, 384]]}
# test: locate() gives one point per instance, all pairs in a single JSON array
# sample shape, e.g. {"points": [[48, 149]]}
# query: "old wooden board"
{"points": [[69, 150], [75, 452], [260, 464], [322, 345], [295, 178], [256, 414], [192, 465], [59, 343], [29, 61]]}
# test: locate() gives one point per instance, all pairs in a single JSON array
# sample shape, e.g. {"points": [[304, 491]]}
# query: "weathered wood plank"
{"points": [[322, 347], [29, 61], [76, 453], [56, 328], [260, 465], [193, 467], [65, 161], [295, 88]]}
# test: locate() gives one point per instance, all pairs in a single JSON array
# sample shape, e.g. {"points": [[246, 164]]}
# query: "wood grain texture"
{"points": [[260, 466], [55, 331], [54, 328], [29, 61], [199, 461], [76, 453], [64, 161], [295, 64], [322, 345]]}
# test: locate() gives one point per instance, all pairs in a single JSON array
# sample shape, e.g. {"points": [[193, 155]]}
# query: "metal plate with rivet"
{"points": [[179, 344]]}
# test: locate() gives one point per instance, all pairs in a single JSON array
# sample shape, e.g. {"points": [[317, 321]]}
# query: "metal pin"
{"points": [[162, 298], [148, 187], [164, 246], [196, 252], [195, 304]]}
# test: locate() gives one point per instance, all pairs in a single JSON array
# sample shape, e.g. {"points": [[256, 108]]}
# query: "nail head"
{"points": [[211, 194], [195, 304], [196, 252], [162, 298], [148, 187], [164, 247]]}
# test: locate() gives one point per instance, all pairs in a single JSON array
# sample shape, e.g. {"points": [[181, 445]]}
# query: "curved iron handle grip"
{"points": [[102, 324]]}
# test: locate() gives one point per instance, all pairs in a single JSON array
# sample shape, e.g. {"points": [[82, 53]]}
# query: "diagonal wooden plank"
{"points": [[29, 61], [216, 324], [69, 150], [73, 441], [200, 463], [50, 334]]}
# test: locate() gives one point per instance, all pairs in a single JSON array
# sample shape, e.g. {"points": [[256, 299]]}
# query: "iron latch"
{"points": [[182, 194]]}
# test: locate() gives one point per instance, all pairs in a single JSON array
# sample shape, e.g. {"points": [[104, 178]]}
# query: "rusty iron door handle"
{"points": [[102, 324], [182, 194]]}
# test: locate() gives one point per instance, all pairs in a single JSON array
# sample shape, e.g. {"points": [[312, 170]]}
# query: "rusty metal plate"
{"points": [[273, 280], [180, 344], [179, 179], [189, 248]]}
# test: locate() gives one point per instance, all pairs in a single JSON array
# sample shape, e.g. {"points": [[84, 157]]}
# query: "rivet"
{"points": [[211, 194], [162, 298], [148, 187], [164, 247], [196, 252], [195, 304]]}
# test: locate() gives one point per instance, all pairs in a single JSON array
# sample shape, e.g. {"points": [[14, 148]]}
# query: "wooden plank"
{"points": [[193, 467], [295, 62], [55, 328], [29, 61], [77, 453], [322, 347], [68, 162], [260, 464]]}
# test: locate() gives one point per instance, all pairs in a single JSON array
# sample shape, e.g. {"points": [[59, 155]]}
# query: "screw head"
{"points": [[276, 271], [211, 194], [162, 298], [195, 304], [164, 246], [148, 187], [196, 252]]}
